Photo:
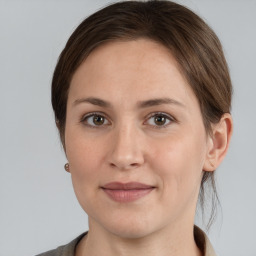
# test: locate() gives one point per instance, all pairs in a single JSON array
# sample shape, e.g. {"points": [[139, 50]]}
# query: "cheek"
{"points": [[84, 168], [179, 162], [81, 150], [179, 167], [84, 163], [84, 159]]}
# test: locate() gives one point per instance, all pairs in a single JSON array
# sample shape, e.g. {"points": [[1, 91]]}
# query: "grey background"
{"points": [[38, 209]]}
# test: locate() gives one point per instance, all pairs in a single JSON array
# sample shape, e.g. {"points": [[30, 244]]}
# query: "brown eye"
{"points": [[95, 120], [98, 120], [160, 120]]}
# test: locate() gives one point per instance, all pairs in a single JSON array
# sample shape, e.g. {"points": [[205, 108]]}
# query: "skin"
{"points": [[130, 146]]}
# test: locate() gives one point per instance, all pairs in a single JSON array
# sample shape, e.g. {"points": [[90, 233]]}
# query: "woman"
{"points": [[141, 95]]}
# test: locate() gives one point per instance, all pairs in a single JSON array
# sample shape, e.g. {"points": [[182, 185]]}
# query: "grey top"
{"points": [[69, 249], [65, 250]]}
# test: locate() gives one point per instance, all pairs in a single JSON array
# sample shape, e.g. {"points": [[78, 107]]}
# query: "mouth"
{"points": [[126, 192]]}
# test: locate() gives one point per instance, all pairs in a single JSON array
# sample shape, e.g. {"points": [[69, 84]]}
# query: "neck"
{"points": [[174, 241]]}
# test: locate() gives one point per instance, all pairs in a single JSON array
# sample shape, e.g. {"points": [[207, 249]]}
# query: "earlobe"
{"points": [[219, 142]]}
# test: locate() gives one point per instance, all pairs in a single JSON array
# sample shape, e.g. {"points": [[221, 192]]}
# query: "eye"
{"points": [[94, 120], [159, 120]]}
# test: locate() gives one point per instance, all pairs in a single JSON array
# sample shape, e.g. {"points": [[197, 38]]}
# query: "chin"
{"points": [[134, 227], [130, 232]]}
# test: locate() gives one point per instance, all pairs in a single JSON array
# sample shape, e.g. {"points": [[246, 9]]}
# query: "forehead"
{"points": [[119, 69], [142, 53]]}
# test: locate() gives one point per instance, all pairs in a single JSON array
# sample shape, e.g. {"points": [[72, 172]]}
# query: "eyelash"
{"points": [[85, 117], [100, 114], [166, 116]]}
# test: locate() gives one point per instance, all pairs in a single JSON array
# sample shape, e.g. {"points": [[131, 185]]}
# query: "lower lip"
{"points": [[125, 196]]}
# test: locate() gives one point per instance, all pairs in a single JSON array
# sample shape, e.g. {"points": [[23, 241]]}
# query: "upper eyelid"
{"points": [[161, 113], [94, 113]]}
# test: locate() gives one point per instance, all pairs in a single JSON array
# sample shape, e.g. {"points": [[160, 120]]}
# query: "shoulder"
{"points": [[64, 250], [203, 242]]}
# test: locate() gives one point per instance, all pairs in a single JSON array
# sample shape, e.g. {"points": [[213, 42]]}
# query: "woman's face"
{"points": [[135, 140]]}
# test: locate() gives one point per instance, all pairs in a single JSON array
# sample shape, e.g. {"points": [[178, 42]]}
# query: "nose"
{"points": [[126, 150]]}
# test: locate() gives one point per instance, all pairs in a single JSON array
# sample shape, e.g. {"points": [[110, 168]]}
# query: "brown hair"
{"points": [[192, 42]]}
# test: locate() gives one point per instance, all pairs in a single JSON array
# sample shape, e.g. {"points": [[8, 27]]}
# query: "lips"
{"points": [[126, 192]]}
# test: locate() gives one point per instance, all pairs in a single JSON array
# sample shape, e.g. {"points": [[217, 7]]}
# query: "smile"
{"points": [[126, 192]]}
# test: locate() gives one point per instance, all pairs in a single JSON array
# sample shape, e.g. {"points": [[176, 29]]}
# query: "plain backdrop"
{"points": [[38, 209]]}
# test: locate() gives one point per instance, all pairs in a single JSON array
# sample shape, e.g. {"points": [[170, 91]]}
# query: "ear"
{"points": [[218, 142]]}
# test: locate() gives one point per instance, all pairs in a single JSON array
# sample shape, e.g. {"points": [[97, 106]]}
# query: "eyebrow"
{"points": [[140, 104], [93, 101], [160, 101]]}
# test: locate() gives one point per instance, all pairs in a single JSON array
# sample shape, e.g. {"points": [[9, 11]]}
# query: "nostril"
{"points": [[124, 166]]}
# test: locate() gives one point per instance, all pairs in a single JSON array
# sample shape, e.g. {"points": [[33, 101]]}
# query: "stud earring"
{"points": [[66, 167]]}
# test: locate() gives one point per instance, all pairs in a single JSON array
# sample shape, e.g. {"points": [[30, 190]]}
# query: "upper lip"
{"points": [[126, 186]]}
